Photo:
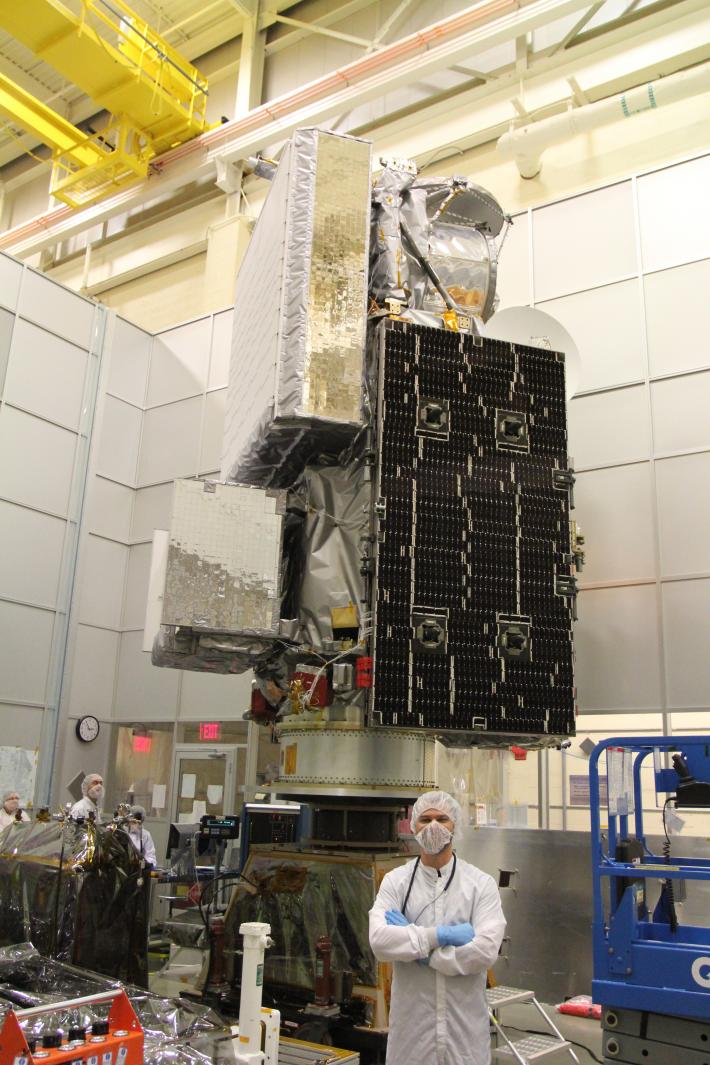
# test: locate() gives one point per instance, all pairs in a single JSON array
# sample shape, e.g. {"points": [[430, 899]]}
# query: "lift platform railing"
{"points": [[647, 960]]}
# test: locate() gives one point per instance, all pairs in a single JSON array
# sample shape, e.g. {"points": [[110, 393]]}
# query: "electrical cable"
{"points": [[668, 883]]}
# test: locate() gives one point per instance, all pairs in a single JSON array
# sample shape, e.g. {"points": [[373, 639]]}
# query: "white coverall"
{"points": [[7, 819], [84, 807], [438, 1013], [139, 835]]}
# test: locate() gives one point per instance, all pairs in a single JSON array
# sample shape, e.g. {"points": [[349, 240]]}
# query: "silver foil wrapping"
{"points": [[300, 314], [222, 601], [454, 224], [176, 1031], [337, 519], [224, 558]]}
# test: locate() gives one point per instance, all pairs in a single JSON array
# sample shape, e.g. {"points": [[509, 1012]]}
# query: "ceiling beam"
{"points": [[412, 58], [314, 27]]}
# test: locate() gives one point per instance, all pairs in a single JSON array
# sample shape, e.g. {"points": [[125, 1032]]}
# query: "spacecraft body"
{"points": [[390, 547]]}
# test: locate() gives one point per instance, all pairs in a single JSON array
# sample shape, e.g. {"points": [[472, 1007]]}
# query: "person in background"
{"points": [[9, 808], [439, 920], [92, 790], [140, 837]]}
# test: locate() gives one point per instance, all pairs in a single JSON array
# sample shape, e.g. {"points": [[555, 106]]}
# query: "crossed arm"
{"points": [[454, 950]]}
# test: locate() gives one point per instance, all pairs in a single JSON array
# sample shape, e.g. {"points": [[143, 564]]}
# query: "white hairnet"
{"points": [[89, 781], [435, 800], [11, 793], [138, 812]]}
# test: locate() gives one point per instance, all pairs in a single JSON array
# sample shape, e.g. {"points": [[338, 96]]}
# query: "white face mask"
{"points": [[433, 838], [96, 793]]}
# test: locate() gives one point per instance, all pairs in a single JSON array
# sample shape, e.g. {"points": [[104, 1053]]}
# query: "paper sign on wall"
{"points": [[187, 786], [214, 794], [158, 800], [199, 809]]}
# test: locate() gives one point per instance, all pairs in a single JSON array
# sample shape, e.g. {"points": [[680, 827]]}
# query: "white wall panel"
{"points": [[144, 692], [617, 649], [673, 214], [21, 727], [109, 509], [213, 430], [10, 278], [678, 318], [584, 241], [683, 486], [31, 555], [179, 362], [102, 574], [129, 361], [614, 508], [686, 610], [151, 510], [24, 652], [513, 285], [36, 461], [680, 413], [609, 427], [56, 308], [170, 442], [221, 350], [46, 374], [7, 322], [119, 441], [136, 586], [93, 671], [606, 325], [204, 696]]}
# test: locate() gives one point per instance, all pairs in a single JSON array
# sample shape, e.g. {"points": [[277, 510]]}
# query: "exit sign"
{"points": [[142, 744], [210, 730]]}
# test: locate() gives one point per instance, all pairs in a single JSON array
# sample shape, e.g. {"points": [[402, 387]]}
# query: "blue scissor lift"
{"points": [[651, 972]]}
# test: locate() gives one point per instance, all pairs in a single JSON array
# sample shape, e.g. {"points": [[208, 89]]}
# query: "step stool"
{"points": [[532, 1048]]}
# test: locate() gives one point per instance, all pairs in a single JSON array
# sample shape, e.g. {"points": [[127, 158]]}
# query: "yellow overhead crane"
{"points": [[156, 98]]}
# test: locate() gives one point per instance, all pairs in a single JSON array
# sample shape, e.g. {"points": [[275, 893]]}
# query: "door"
{"points": [[207, 780]]}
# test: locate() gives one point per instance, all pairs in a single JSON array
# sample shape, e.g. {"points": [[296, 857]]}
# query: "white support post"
{"points": [[256, 940]]}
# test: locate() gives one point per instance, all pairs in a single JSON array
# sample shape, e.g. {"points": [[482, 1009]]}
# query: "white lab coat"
{"points": [[83, 808], [438, 1013], [138, 835], [7, 819]]}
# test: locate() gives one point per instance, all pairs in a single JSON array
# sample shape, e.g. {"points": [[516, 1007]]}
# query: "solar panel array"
{"points": [[473, 586]]}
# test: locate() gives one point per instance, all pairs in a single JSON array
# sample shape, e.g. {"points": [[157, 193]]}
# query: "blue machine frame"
{"points": [[640, 963]]}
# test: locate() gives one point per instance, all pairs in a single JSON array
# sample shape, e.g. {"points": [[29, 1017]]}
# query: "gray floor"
{"points": [[518, 1019]]}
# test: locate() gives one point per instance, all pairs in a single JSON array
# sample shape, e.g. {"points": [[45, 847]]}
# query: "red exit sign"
{"points": [[210, 730], [142, 744]]}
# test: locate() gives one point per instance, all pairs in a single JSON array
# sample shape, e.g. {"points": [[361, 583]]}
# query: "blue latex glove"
{"points": [[454, 935], [395, 917]]}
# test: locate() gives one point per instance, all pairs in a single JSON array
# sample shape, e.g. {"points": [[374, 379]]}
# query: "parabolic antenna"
{"points": [[528, 325]]}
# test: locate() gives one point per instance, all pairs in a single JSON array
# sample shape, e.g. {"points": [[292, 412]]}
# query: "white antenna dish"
{"points": [[528, 325]]}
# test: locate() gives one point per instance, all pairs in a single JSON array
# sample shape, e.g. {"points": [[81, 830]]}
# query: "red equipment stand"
{"points": [[121, 1044]]}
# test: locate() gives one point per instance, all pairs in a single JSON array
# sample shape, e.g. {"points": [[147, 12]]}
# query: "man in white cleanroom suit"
{"points": [[92, 790], [9, 808], [140, 837], [440, 921]]}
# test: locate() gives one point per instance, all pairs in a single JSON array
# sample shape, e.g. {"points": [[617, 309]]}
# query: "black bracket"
{"points": [[512, 431], [429, 633], [514, 641], [433, 417]]}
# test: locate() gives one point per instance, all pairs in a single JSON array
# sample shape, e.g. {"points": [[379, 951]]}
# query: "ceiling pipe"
{"points": [[526, 145]]}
